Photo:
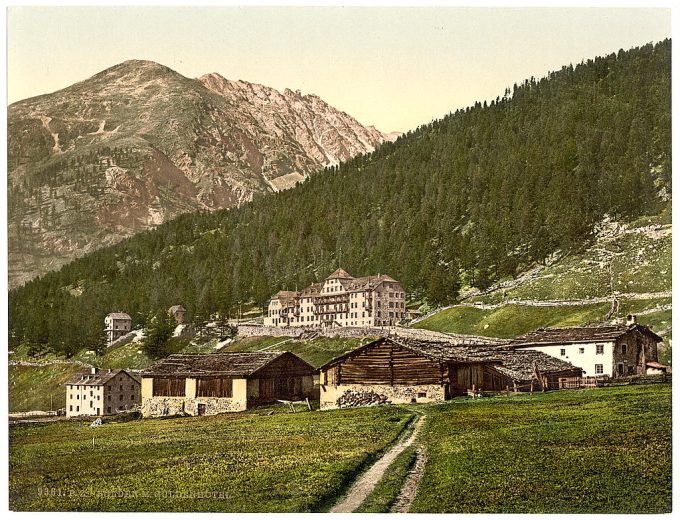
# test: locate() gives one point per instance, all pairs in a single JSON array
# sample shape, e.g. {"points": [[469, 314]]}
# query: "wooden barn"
{"points": [[400, 370], [200, 385]]}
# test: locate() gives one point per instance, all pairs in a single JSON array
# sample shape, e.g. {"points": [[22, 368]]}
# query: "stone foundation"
{"points": [[341, 396], [171, 406]]}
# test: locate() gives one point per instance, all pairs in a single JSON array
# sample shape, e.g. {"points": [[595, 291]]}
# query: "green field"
{"points": [[588, 451], [256, 462], [602, 450]]}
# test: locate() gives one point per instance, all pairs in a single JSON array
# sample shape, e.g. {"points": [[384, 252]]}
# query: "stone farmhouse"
{"points": [[340, 301], [99, 393], [400, 370], [200, 385], [613, 350], [116, 325]]}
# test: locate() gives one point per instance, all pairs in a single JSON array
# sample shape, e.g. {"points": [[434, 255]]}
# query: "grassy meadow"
{"points": [[588, 451], [252, 461]]}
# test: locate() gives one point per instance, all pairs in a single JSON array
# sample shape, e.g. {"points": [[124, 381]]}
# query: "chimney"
{"points": [[93, 370], [632, 320]]}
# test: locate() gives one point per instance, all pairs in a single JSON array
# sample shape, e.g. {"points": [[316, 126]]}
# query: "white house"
{"points": [[99, 393], [612, 350]]}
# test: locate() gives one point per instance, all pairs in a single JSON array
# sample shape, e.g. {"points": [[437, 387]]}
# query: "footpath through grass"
{"points": [[587, 451], [245, 462]]}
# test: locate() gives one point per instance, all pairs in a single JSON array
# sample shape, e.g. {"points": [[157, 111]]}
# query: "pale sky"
{"points": [[394, 68]]}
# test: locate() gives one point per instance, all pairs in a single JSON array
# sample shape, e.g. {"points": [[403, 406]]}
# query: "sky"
{"points": [[392, 67]]}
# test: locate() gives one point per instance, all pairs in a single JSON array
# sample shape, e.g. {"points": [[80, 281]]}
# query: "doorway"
{"points": [[201, 409]]}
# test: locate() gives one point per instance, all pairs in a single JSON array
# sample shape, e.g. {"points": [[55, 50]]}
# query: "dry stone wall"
{"points": [[171, 406], [342, 396], [359, 332]]}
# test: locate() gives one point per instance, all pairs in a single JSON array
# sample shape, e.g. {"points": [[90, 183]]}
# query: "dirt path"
{"points": [[365, 484], [408, 491]]}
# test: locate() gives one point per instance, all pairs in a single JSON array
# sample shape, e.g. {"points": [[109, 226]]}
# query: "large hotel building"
{"points": [[340, 301]]}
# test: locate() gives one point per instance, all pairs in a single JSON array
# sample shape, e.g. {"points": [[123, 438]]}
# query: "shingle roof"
{"points": [[339, 274], [119, 316], [434, 350], [176, 308], [574, 335], [287, 298], [312, 289], [218, 364], [369, 282], [98, 378], [519, 365]]}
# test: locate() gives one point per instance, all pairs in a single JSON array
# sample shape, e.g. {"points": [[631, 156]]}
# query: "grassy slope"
{"points": [[30, 387], [316, 351], [284, 462], [603, 450], [641, 263]]}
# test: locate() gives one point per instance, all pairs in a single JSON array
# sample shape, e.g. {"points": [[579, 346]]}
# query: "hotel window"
{"points": [[599, 349], [581, 350], [563, 352], [624, 349], [599, 369]]}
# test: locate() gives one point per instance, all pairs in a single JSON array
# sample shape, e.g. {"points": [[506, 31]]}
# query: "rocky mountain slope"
{"points": [[138, 144]]}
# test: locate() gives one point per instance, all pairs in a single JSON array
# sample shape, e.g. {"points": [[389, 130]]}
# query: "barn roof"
{"points": [[119, 316], [575, 335], [98, 378], [434, 350], [237, 365], [519, 365]]}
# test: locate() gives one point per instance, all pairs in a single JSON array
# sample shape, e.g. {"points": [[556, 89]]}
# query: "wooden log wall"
{"points": [[387, 364]]}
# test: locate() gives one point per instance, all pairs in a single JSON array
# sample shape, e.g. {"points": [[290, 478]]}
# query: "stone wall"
{"points": [[359, 332], [341, 396], [180, 405], [173, 405]]}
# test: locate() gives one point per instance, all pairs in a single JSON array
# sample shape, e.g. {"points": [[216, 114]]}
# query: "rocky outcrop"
{"points": [[138, 144]]}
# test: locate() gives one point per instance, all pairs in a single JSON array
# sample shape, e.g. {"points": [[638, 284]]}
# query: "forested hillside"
{"points": [[477, 196]]}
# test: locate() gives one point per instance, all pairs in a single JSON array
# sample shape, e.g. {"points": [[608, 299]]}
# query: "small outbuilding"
{"points": [[200, 385], [178, 313]]}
